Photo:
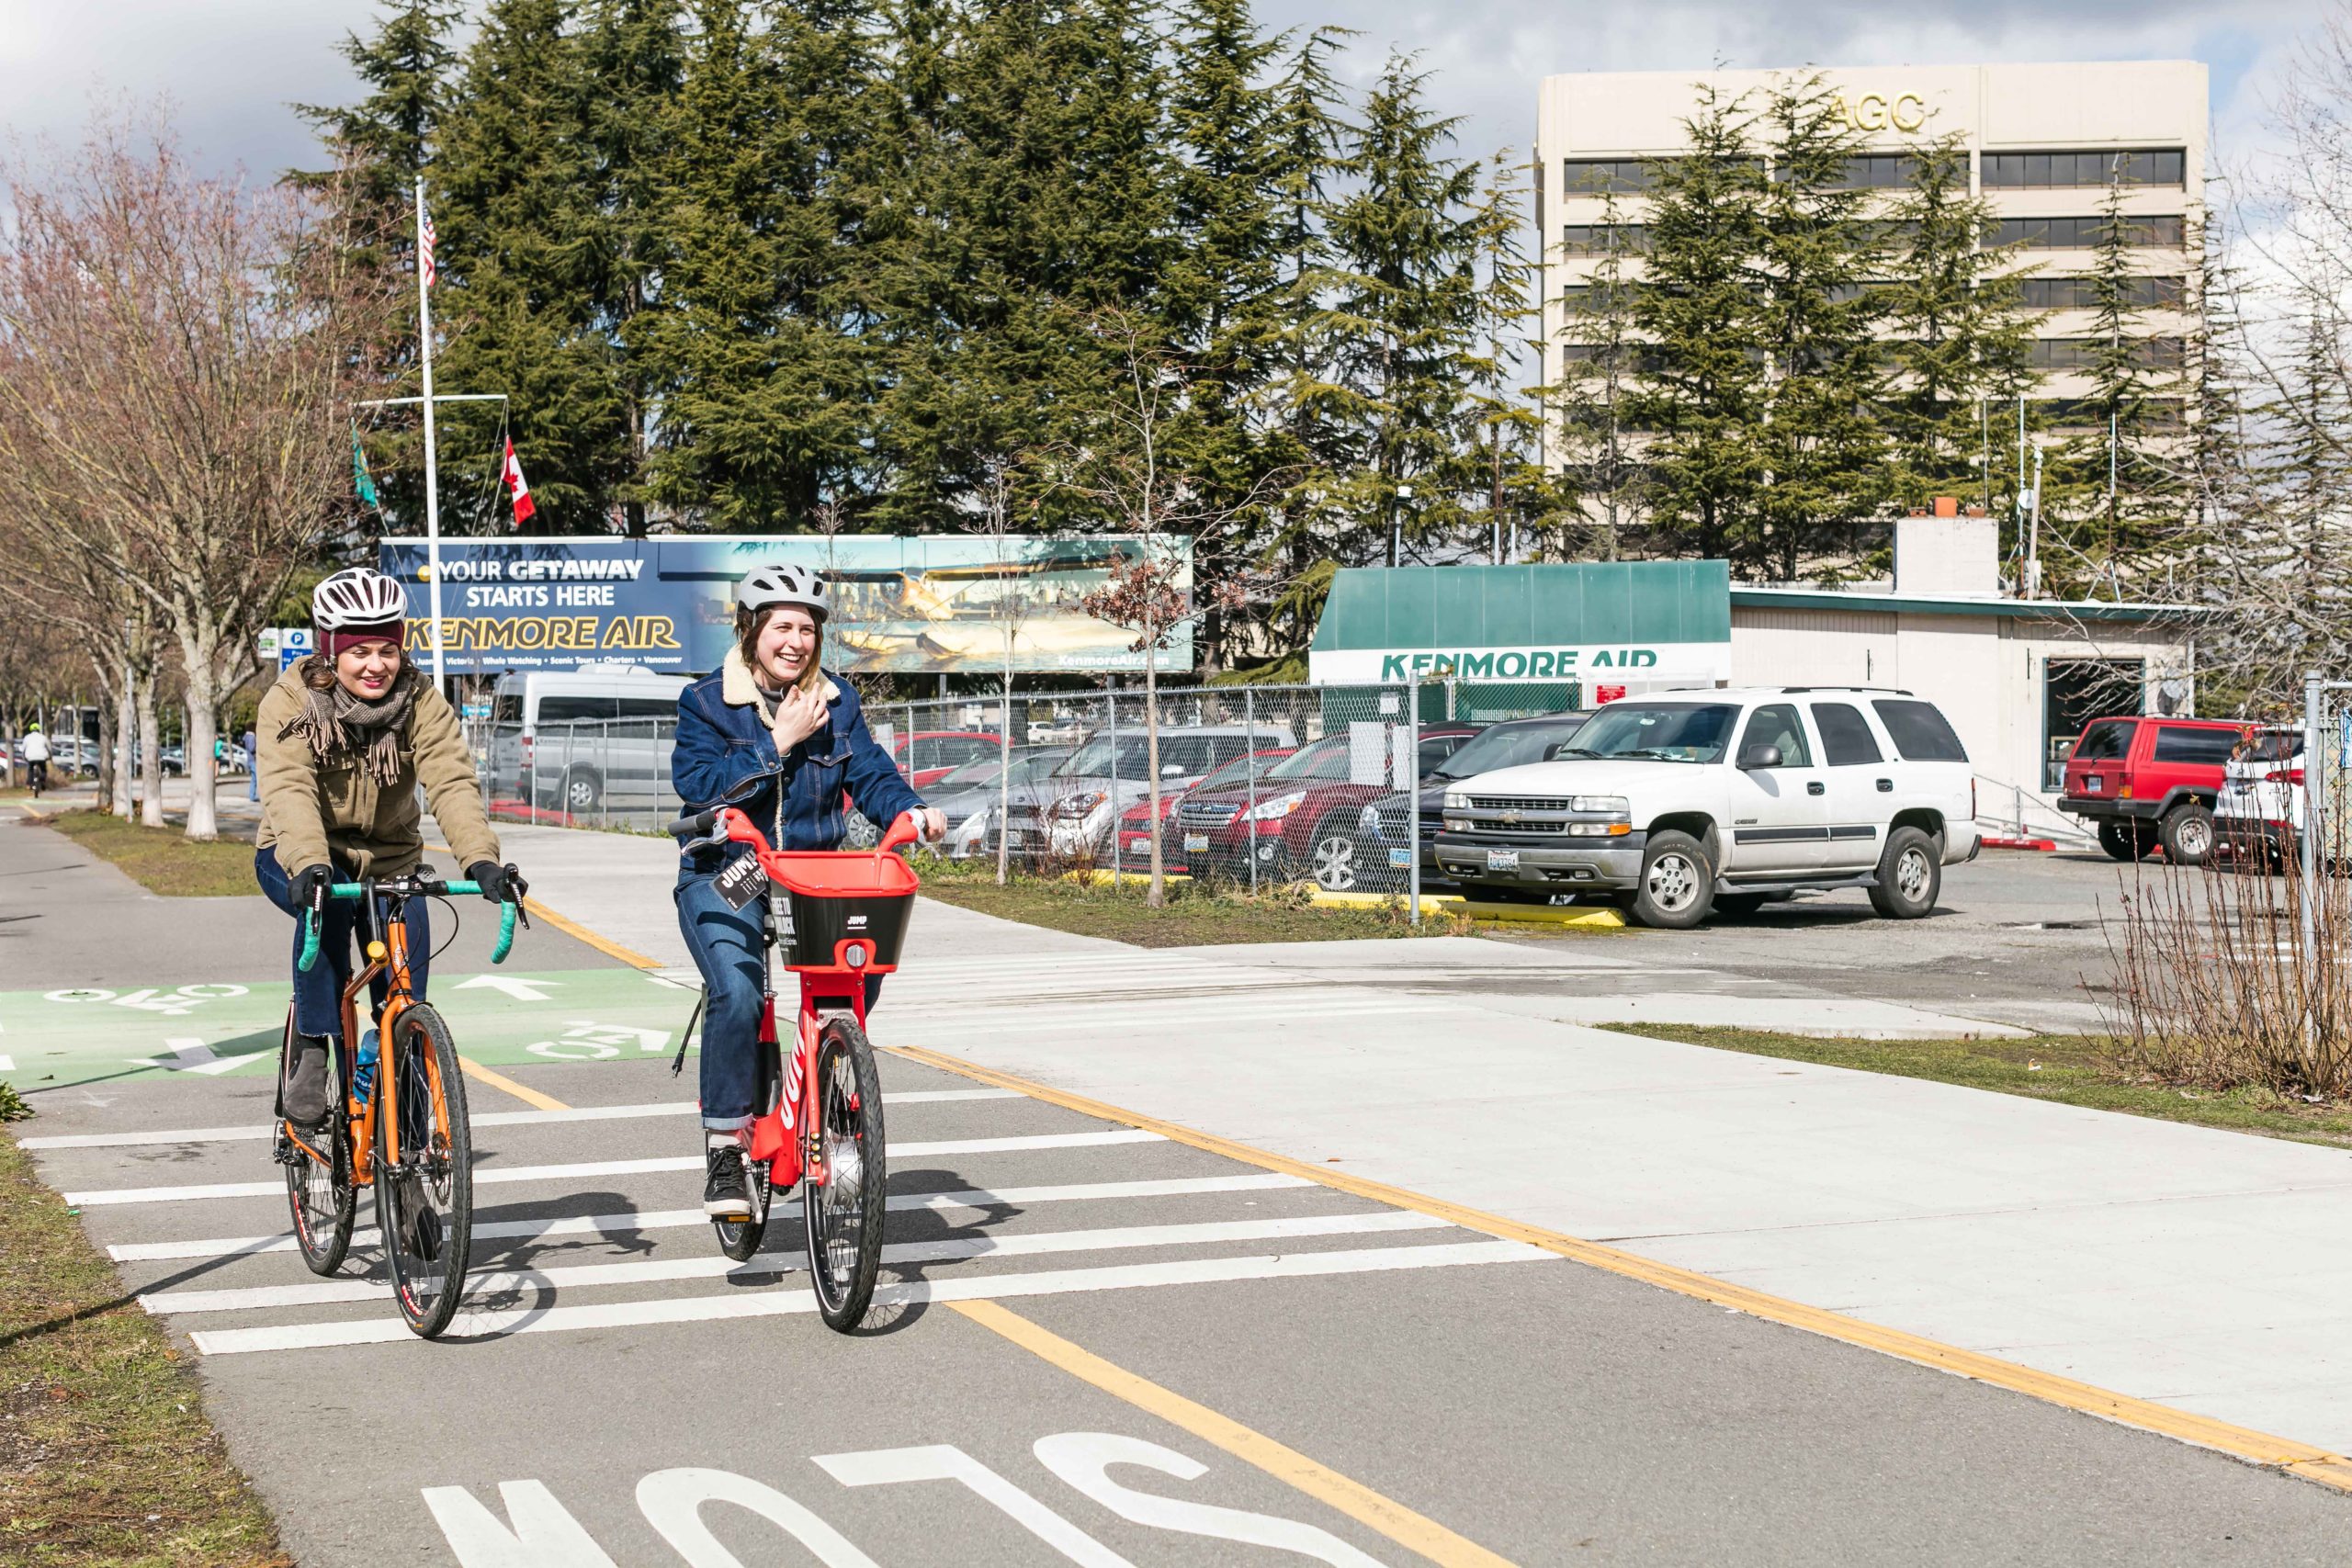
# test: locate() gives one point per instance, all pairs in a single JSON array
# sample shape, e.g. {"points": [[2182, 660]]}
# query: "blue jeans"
{"points": [[317, 996], [726, 943]]}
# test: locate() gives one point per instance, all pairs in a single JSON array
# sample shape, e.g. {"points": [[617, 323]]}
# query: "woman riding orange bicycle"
{"points": [[773, 736]]}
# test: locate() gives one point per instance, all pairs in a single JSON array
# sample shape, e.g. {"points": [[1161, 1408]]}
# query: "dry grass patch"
{"points": [[165, 859], [105, 1456]]}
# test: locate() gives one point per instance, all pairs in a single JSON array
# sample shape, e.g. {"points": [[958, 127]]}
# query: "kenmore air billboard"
{"points": [[911, 605]]}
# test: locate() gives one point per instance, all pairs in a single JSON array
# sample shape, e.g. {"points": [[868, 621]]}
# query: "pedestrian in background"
{"points": [[252, 745]]}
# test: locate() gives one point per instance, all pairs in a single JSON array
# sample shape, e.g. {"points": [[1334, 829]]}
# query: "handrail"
{"points": [[2023, 802]]}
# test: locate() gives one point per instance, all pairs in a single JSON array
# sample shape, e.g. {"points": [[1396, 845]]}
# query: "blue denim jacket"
{"points": [[725, 756]]}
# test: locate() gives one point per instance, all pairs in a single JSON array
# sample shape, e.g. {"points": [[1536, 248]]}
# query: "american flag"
{"points": [[424, 256]]}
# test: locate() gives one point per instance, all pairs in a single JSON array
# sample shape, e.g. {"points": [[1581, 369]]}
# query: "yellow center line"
{"points": [[529, 1096], [1359, 1501], [2311, 1463]]}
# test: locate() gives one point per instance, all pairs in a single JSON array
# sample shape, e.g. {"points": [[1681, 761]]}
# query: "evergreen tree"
{"points": [[1702, 394], [1403, 313], [513, 198], [377, 147], [1961, 339], [766, 411], [1818, 246]]}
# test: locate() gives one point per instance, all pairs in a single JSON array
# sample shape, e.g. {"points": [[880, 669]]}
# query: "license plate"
{"points": [[1195, 842], [1502, 860], [2095, 782], [1400, 859]]}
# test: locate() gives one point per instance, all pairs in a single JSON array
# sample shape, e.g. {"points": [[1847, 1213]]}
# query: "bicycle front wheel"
{"points": [[424, 1199], [843, 1214]]}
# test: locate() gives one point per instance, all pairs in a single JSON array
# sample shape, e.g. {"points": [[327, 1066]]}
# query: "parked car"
{"points": [[1134, 823], [1677, 804], [967, 794], [2265, 807], [2144, 781], [1072, 814], [1306, 820], [927, 756], [610, 729], [1505, 744]]}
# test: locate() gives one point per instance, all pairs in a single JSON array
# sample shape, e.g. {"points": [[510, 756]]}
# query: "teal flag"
{"points": [[359, 475]]}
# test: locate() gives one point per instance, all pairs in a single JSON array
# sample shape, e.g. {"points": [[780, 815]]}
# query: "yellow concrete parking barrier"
{"points": [[1588, 916]]}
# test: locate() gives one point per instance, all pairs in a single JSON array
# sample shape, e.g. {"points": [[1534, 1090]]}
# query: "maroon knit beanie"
{"points": [[332, 644]]}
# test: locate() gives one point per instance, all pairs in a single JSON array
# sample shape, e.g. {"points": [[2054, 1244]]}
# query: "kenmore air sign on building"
{"points": [[1609, 628]]}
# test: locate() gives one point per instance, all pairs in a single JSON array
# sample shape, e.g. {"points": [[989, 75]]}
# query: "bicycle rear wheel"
{"points": [[318, 1194], [844, 1216], [424, 1205], [740, 1239]]}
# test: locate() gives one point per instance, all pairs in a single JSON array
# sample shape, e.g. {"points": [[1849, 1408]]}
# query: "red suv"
{"points": [[1307, 819], [2147, 781]]}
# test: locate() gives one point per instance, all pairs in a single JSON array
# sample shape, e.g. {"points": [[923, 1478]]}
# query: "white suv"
{"points": [[1682, 803]]}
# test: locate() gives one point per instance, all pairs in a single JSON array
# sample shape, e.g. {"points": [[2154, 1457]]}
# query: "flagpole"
{"points": [[432, 460]]}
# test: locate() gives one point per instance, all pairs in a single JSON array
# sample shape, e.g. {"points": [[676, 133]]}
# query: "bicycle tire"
{"points": [[740, 1239], [320, 1199], [426, 1209], [843, 1219]]}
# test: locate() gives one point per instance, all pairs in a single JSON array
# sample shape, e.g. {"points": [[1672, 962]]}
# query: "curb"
{"points": [[1589, 917]]}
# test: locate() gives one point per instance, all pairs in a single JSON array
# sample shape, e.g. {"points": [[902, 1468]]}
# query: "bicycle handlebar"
{"points": [[703, 827], [310, 956]]}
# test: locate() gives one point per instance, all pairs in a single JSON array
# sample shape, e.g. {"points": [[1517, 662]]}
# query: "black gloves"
{"points": [[500, 883], [308, 884]]}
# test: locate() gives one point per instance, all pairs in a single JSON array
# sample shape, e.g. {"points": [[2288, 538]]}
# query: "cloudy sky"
{"points": [[232, 67]]}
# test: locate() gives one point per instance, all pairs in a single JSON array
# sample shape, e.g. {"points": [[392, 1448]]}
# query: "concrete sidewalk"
{"points": [[2203, 1270]]}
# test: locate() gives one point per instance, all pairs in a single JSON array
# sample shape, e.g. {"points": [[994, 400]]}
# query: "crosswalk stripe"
{"points": [[783, 1257], [779, 1303], [494, 1175], [612, 1226], [255, 1131]]}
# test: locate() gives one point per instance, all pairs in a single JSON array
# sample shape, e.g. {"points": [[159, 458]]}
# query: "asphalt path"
{"points": [[1093, 1345]]}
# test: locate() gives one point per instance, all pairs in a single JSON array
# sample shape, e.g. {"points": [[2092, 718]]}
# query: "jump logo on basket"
{"points": [[857, 922]]}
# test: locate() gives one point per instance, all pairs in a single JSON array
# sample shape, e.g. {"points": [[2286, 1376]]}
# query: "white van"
{"points": [[586, 739]]}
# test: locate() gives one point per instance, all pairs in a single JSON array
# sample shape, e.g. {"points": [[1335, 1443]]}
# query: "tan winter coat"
{"points": [[311, 803]]}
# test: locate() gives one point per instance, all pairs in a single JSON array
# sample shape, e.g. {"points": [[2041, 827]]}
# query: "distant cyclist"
{"points": [[346, 736], [773, 735], [35, 746]]}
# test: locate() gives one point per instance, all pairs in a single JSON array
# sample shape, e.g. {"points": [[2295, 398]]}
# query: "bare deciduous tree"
{"points": [[178, 375]]}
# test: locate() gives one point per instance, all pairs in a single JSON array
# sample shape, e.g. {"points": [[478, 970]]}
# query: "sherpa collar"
{"points": [[736, 689]]}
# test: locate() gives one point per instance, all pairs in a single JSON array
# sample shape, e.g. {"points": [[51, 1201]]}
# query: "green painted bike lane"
{"points": [[54, 1039]]}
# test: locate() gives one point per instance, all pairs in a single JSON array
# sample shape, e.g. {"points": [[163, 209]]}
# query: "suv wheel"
{"points": [[1678, 889], [1335, 857], [582, 790], [2129, 841], [2188, 834], [1910, 876]]}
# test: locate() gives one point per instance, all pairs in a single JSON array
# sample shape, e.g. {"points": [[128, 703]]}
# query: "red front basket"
{"points": [[838, 900]]}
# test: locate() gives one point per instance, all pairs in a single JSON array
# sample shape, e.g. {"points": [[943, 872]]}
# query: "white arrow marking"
{"points": [[196, 1057], [617, 1034], [7, 1064], [521, 990]]}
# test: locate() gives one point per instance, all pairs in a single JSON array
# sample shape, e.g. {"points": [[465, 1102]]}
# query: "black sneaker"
{"points": [[727, 1195], [305, 1093]]}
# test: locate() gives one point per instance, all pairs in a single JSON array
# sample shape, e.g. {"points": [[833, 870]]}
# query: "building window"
{"points": [[2083, 233], [1879, 170], [2154, 416], [1600, 238], [2081, 353], [2152, 292], [2084, 170], [1599, 177]]}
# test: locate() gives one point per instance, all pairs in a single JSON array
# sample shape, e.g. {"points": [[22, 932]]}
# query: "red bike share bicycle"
{"points": [[843, 918]]}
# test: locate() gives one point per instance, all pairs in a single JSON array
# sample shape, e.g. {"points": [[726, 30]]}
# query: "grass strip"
{"points": [[165, 859], [105, 1456], [2067, 1068], [1193, 916]]}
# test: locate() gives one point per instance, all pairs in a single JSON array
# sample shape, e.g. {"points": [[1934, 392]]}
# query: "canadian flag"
{"points": [[518, 490]]}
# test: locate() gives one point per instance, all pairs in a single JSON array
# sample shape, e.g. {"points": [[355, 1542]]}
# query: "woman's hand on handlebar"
{"points": [[930, 821], [500, 883]]}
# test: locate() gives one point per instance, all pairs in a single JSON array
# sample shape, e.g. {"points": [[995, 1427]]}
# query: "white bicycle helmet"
{"points": [[357, 596], [766, 585]]}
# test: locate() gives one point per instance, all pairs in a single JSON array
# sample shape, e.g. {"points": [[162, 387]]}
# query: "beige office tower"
{"points": [[2044, 140]]}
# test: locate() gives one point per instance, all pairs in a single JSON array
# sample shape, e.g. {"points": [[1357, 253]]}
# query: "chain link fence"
{"points": [[1259, 785]]}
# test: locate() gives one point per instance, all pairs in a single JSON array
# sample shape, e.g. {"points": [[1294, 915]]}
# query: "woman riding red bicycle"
{"points": [[773, 736]]}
